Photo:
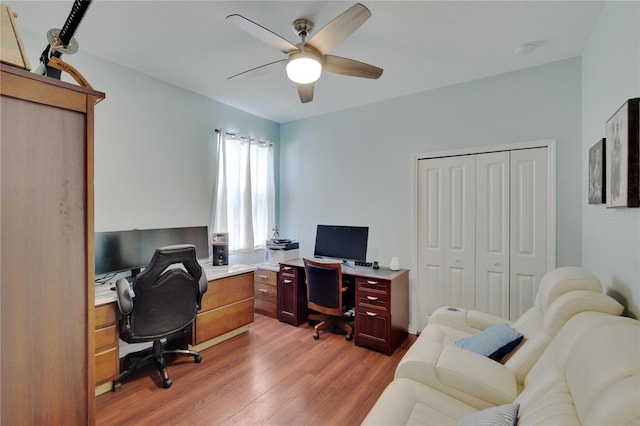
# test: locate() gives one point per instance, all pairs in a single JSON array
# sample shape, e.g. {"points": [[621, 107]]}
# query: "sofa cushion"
{"points": [[494, 342], [502, 415], [407, 402]]}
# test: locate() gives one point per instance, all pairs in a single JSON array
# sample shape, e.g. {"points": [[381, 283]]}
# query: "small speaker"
{"points": [[220, 254]]}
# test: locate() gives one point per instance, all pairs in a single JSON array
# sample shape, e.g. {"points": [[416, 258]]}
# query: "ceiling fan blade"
{"points": [[353, 68], [305, 91], [262, 33], [340, 28], [261, 70]]}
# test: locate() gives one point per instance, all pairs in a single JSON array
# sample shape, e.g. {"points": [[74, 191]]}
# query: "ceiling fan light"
{"points": [[303, 70]]}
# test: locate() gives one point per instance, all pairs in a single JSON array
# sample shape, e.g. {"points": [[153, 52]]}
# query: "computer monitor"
{"points": [[119, 251], [342, 242]]}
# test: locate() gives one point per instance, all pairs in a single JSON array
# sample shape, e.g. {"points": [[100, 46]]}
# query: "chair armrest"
{"points": [[476, 375], [124, 299], [466, 320], [469, 377], [203, 285]]}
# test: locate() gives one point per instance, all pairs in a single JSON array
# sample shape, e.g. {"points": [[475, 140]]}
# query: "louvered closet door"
{"points": [[492, 233], [529, 226], [446, 234]]}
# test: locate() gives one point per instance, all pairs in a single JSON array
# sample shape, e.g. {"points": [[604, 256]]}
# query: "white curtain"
{"points": [[244, 198]]}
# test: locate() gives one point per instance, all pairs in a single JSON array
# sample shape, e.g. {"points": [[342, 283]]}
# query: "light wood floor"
{"points": [[276, 374]]}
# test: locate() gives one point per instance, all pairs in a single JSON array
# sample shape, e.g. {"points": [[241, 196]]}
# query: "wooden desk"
{"points": [[227, 311], [381, 302]]}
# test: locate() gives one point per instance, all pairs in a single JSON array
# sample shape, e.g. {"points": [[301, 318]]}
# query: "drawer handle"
{"points": [[372, 282], [287, 268], [372, 298], [263, 290], [264, 277], [372, 314], [287, 281]]}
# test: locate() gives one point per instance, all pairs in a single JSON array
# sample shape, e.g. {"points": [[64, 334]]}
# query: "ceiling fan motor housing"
{"points": [[302, 27]]}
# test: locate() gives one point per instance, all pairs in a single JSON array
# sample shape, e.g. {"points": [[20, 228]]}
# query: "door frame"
{"points": [[550, 144]]}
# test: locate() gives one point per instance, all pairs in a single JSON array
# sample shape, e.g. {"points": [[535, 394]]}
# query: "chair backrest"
{"points": [[167, 294], [589, 374], [560, 280], [324, 286], [540, 327]]}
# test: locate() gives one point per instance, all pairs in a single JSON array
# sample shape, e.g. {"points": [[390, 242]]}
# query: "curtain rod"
{"points": [[244, 137]]}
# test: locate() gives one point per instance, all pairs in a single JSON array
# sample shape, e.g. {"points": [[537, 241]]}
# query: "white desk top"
{"points": [[104, 293]]}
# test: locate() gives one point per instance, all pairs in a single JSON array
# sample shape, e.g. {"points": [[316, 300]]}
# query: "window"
{"points": [[244, 194]]}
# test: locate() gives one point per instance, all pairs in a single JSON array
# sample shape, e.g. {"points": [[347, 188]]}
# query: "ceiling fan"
{"points": [[307, 60]]}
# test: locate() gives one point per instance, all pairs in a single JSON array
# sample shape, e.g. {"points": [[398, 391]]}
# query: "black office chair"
{"points": [[166, 297], [324, 295]]}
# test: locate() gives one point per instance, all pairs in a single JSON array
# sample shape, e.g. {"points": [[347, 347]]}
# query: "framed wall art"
{"points": [[597, 173], [623, 156]]}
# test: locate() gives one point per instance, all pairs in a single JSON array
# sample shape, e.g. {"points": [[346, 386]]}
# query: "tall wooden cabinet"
{"points": [[46, 251]]}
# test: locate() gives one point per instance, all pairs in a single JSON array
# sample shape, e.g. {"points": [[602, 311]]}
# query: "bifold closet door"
{"points": [[446, 233], [492, 233], [483, 226], [529, 226]]}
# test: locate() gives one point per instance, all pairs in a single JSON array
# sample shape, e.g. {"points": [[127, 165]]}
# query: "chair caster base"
{"points": [[197, 359], [166, 383], [348, 337], [316, 335], [115, 386]]}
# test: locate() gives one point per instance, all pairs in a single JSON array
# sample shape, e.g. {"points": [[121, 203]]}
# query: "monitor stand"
{"points": [[346, 263]]}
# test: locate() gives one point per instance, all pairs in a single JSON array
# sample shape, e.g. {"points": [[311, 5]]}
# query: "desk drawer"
{"points": [[107, 365], [265, 277], [373, 303], [105, 315], [290, 272], [224, 291], [372, 285], [265, 299], [373, 330], [106, 337], [215, 322]]}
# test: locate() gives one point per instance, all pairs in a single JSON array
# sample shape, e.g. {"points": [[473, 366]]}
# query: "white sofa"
{"points": [[589, 374], [562, 293]]}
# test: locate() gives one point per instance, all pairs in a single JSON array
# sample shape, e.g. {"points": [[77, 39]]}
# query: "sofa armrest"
{"points": [[469, 377], [476, 375], [467, 320]]}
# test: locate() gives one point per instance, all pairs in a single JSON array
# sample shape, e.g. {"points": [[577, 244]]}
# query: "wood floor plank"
{"points": [[275, 374]]}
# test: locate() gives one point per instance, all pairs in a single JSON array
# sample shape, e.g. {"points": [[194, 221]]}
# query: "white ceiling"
{"points": [[421, 45]]}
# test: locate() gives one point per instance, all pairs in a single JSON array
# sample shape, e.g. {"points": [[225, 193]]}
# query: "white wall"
{"points": [[355, 167], [610, 76], [154, 145]]}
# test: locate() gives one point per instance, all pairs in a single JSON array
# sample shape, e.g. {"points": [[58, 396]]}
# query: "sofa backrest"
{"points": [[540, 326], [589, 374]]}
